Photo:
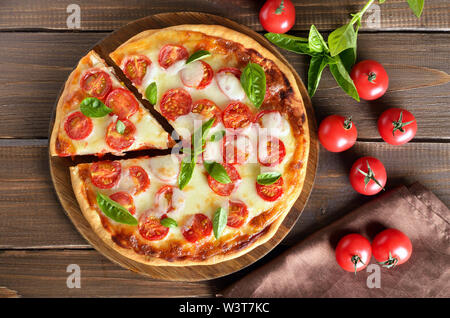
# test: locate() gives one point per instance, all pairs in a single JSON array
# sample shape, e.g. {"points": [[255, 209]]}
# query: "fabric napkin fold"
{"points": [[309, 269]]}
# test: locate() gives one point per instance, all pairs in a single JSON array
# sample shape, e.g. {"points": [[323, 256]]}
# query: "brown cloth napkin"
{"points": [[309, 269]]}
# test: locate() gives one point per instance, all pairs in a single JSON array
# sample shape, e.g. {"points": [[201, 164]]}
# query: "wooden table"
{"points": [[37, 52]]}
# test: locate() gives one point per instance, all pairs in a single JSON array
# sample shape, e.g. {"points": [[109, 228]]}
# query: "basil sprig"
{"points": [[198, 56], [93, 107], [198, 141], [217, 171], [339, 53], [219, 221], [169, 222], [114, 210], [151, 93], [253, 81], [268, 177]]}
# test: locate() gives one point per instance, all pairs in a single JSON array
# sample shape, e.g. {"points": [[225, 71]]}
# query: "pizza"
{"points": [[239, 162], [97, 114]]}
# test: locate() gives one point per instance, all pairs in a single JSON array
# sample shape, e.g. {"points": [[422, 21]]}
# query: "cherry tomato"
{"points": [[197, 75], [237, 214], [270, 192], [118, 141], [198, 227], [337, 133], [140, 178], [175, 102], [151, 229], [277, 16], [125, 200], [271, 151], [368, 176], [207, 109], [237, 115], [353, 252], [169, 54], [370, 79], [96, 83], [164, 196], [236, 149], [391, 247], [135, 68], [122, 102], [397, 126], [78, 126], [225, 189], [105, 174]]}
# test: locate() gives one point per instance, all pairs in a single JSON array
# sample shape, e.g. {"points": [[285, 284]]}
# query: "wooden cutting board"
{"points": [[59, 167]]}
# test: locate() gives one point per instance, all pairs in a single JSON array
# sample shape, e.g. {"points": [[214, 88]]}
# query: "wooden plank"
{"points": [[31, 82], [44, 274], [325, 14], [33, 218]]}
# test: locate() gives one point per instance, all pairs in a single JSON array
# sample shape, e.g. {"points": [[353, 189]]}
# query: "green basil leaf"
{"points": [[219, 221], [169, 222], [341, 39], [291, 43], [316, 67], [416, 6], [342, 77], [198, 56], [348, 58], [198, 139], [253, 81], [316, 41], [268, 177], [186, 172], [151, 93], [217, 136], [114, 210], [93, 107], [120, 127], [217, 171]]}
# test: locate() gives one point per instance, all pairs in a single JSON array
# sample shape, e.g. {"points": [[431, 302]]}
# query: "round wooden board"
{"points": [[59, 167]]}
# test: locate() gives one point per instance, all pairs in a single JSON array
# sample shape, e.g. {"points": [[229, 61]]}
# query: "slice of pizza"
{"points": [[96, 114]]}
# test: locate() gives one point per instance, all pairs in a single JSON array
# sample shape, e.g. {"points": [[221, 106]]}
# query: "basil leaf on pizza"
{"points": [[186, 172], [253, 81], [169, 222], [151, 93], [114, 210], [93, 107], [120, 127], [268, 177], [217, 171], [219, 221], [198, 56]]}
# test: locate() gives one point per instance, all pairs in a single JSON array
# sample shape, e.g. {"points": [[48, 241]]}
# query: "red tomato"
{"points": [[270, 192], [271, 151], [151, 229], [192, 78], [125, 200], [391, 247], [78, 126], [175, 103], [353, 252], [207, 109], [118, 141], [237, 214], [236, 149], [225, 189], [122, 102], [370, 79], [169, 54], [198, 227], [136, 67], [140, 178], [397, 126], [337, 133], [277, 16], [368, 176], [105, 174], [96, 83], [237, 115], [164, 195]]}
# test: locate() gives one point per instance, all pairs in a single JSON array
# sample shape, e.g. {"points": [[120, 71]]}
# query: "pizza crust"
{"points": [[294, 181]]}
